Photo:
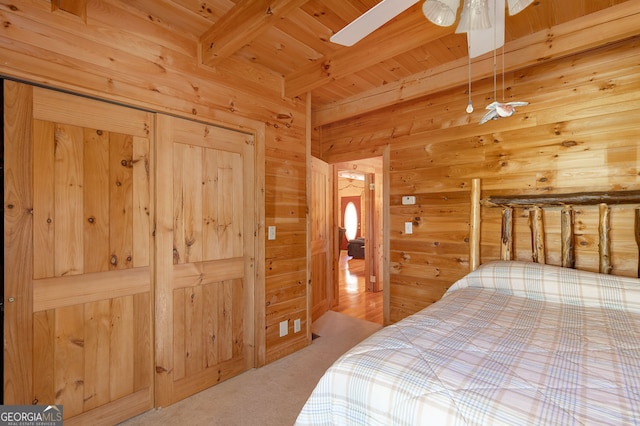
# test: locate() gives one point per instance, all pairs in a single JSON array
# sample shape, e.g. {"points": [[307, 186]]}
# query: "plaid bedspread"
{"points": [[512, 343]]}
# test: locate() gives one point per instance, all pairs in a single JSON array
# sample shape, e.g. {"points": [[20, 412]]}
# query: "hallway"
{"points": [[355, 301]]}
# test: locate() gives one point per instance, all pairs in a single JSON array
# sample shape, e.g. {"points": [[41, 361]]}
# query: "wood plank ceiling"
{"points": [[288, 40]]}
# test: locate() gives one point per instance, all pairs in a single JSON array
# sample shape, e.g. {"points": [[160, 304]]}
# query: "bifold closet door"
{"points": [[205, 244], [78, 259]]}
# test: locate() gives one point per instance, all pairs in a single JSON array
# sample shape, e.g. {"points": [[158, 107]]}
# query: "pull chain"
{"points": [[469, 105]]}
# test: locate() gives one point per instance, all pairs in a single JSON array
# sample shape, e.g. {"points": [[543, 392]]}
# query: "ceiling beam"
{"points": [[382, 44], [599, 28], [243, 23], [74, 7]]}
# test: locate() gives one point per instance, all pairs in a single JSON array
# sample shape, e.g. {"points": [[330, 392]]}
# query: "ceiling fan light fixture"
{"points": [[441, 12], [517, 6], [474, 16]]}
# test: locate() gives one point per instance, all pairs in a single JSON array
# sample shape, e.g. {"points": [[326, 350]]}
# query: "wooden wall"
{"points": [[580, 132], [118, 54]]}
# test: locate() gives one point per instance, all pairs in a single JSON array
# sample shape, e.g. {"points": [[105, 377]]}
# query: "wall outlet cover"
{"points": [[284, 328], [408, 199]]}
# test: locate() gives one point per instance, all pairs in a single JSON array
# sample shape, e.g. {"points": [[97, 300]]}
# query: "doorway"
{"points": [[368, 275], [359, 197]]}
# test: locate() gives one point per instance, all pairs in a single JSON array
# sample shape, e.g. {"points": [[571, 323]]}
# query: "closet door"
{"points": [[78, 329], [205, 241]]}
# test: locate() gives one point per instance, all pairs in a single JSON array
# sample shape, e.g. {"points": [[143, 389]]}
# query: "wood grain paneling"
{"points": [[85, 314], [18, 246], [578, 132], [145, 54], [150, 60], [204, 289]]}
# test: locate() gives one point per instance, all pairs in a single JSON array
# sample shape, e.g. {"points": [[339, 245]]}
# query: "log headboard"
{"points": [[535, 205]]}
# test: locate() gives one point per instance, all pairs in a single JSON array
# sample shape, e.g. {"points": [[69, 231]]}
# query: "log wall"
{"points": [[580, 132], [118, 54]]}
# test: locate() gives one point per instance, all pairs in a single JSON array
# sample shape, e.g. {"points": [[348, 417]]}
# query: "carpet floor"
{"points": [[272, 395]]}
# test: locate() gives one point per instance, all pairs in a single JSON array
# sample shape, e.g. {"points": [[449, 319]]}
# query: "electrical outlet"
{"points": [[271, 233], [297, 325], [408, 200], [408, 227], [284, 328]]}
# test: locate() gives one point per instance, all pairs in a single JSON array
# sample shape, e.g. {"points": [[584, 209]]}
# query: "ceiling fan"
{"points": [[475, 20], [481, 20]]}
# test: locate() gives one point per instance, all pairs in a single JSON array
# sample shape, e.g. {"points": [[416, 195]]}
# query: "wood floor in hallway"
{"points": [[354, 298]]}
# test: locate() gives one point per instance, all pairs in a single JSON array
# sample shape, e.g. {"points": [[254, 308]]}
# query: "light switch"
{"points": [[408, 227], [271, 233]]}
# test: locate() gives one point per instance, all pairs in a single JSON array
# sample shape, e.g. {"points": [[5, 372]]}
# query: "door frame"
{"points": [[379, 220]]}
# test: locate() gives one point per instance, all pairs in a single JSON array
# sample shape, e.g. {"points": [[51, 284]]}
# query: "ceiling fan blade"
{"points": [[370, 21]]}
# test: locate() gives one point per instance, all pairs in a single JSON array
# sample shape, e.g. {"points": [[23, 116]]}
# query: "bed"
{"points": [[513, 343]]}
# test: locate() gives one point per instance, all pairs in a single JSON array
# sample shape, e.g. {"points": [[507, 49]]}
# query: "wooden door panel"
{"points": [[18, 246], [223, 214], [121, 201], [68, 247], [204, 251], [320, 287], [43, 196], [97, 361], [60, 107], [68, 359], [96, 228], [321, 254], [43, 366], [92, 353], [87, 285], [208, 221], [208, 326], [90, 211], [187, 202]]}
